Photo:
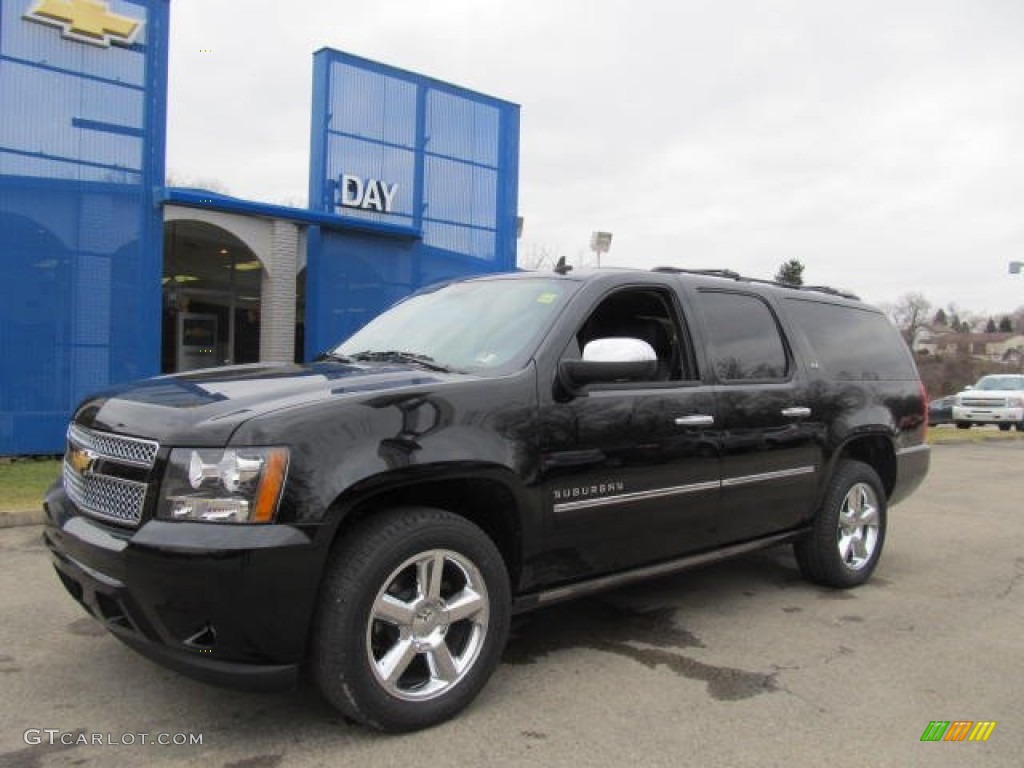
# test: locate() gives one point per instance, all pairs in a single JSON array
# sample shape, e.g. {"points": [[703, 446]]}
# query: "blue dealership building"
{"points": [[107, 275]]}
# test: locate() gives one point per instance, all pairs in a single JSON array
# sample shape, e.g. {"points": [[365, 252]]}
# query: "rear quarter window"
{"points": [[852, 344]]}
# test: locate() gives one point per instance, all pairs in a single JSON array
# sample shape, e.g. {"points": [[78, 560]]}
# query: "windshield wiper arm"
{"points": [[332, 355], [398, 356]]}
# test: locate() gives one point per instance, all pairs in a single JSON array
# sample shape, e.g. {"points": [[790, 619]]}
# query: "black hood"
{"points": [[206, 407]]}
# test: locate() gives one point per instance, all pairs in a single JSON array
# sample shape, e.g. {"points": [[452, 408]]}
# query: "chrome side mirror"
{"points": [[608, 360]]}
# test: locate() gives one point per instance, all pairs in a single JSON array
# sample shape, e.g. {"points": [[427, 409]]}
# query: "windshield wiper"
{"points": [[332, 355], [398, 356]]}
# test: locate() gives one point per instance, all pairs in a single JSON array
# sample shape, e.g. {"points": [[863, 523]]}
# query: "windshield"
{"points": [[481, 325], [1000, 382]]}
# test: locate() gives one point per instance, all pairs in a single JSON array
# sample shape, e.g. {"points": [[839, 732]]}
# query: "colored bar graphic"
{"points": [[982, 730], [935, 730], [958, 730]]}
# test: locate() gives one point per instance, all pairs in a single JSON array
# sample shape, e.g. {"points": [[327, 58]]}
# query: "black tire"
{"points": [[963, 425], [385, 566], [1005, 427], [1020, 426], [855, 494]]}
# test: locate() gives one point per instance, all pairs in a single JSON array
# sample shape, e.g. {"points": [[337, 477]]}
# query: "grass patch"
{"points": [[947, 434], [24, 481]]}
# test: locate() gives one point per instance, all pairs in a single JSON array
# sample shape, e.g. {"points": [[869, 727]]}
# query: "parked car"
{"points": [[940, 411], [484, 447], [995, 399]]}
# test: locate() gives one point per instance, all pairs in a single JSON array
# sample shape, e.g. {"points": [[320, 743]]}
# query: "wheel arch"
{"points": [[484, 497], [875, 449]]}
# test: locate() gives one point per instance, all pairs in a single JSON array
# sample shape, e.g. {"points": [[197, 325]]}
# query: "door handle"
{"points": [[798, 412], [698, 420]]}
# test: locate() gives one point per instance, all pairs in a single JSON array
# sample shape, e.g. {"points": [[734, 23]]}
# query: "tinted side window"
{"points": [[852, 344], [745, 339]]}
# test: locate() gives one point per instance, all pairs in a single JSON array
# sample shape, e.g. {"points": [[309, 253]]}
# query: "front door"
{"points": [[630, 471]]}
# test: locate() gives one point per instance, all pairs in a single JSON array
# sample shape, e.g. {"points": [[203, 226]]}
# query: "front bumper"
{"points": [[981, 415], [226, 604]]}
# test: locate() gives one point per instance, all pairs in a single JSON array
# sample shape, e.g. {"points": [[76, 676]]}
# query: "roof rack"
{"points": [[710, 272], [732, 275]]}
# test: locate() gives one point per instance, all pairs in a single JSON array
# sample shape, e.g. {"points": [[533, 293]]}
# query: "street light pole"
{"points": [[1015, 269], [600, 242]]}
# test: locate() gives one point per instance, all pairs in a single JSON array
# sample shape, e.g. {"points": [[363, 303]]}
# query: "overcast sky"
{"points": [[881, 143]]}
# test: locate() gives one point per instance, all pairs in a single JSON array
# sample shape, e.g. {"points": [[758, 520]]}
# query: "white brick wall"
{"points": [[277, 310]]}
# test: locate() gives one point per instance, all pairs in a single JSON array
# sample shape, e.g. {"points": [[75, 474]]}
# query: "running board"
{"points": [[601, 583]]}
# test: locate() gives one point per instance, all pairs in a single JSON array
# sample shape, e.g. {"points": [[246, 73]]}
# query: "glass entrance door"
{"points": [[211, 288]]}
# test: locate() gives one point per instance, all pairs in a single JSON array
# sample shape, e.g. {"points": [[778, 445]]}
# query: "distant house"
{"points": [[997, 347]]}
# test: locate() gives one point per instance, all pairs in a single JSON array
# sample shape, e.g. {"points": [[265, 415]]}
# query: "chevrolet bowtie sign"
{"points": [[87, 21]]}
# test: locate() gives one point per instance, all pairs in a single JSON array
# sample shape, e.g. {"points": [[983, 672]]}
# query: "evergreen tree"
{"points": [[790, 273], [940, 317], [990, 326], [1005, 326]]}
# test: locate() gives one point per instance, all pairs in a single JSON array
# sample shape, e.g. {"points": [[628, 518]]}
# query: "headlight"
{"points": [[1014, 402], [956, 400], [233, 485]]}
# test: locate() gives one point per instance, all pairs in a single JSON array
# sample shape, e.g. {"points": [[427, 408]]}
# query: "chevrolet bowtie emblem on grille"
{"points": [[81, 460], [87, 21]]}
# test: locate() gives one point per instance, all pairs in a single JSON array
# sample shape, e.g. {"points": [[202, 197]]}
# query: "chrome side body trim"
{"points": [[680, 490], [764, 476], [625, 498]]}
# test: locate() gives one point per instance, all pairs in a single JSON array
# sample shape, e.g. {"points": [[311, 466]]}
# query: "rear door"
{"points": [[769, 431]]}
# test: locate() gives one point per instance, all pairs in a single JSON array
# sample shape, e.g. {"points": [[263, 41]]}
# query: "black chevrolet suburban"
{"points": [[484, 447]]}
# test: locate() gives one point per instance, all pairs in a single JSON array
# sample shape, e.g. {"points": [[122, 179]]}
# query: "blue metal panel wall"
{"points": [[81, 153], [454, 155]]}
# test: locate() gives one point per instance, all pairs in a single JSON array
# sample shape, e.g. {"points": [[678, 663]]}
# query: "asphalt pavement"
{"points": [[739, 664]]}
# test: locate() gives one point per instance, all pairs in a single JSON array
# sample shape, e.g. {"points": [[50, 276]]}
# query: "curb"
{"points": [[25, 517]]}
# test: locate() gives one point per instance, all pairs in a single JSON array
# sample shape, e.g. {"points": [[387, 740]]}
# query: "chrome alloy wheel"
{"points": [[427, 625], [858, 526]]}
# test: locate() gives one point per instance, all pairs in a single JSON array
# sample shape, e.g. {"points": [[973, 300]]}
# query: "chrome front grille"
{"points": [[983, 402], [129, 450], [92, 476], [104, 496]]}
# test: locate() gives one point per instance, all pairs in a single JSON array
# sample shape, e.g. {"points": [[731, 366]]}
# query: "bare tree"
{"points": [[175, 179], [539, 256], [1018, 319], [910, 313]]}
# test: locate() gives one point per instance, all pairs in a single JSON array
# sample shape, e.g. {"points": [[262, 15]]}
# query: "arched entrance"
{"points": [[212, 284]]}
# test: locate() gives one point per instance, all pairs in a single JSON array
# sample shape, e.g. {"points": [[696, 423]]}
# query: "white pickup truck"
{"points": [[995, 399]]}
